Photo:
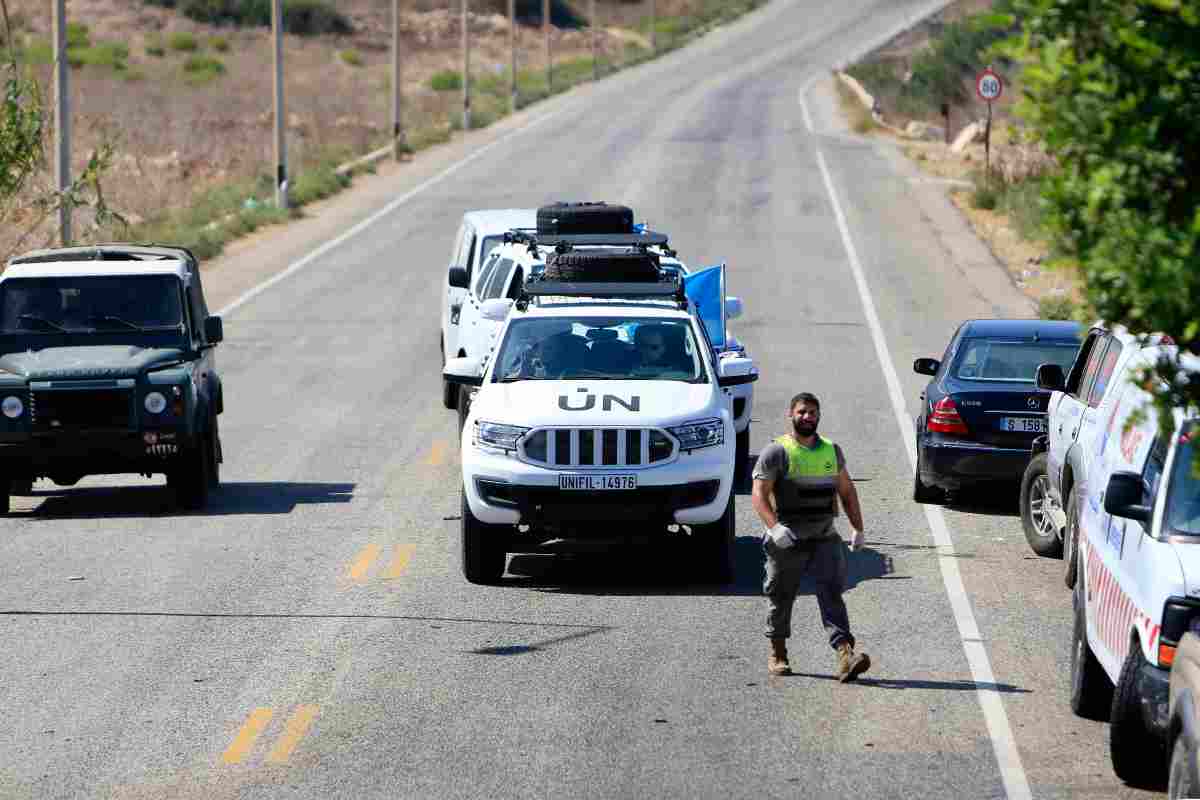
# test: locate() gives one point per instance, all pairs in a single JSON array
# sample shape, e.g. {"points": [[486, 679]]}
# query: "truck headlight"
{"points": [[700, 433], [155, 402], [497, 436], [13, 407]]}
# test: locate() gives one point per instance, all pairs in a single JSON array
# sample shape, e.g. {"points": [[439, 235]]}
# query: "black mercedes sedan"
{"points": [[981, 409]]}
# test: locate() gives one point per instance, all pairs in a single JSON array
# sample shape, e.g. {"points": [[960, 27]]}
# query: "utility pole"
{"points": [[62, 121], [653, 25], [466, 81], [549, 57], [399, 140], [512, 45], [281, 177], [592, 25]]}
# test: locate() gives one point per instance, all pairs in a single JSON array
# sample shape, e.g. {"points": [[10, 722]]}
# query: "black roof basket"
{"points": [[669, 289], [563, 242]]}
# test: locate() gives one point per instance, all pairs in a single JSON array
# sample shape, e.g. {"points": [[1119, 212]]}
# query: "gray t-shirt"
{"points": [[772, 465]]}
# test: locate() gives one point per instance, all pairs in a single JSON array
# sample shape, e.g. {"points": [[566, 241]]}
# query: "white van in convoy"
{"points": [[604, 411], [1138, 568]]}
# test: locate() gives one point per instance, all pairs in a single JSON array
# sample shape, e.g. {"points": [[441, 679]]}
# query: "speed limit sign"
{"points": [[988, 85]]}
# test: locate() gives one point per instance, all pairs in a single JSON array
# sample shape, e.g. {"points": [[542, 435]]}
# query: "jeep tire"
{"points": [[1038, 525], [483, 554], [582, 265], [191, 475], [713, 546], [1138, 755], [1091, 690], [572, 218]]}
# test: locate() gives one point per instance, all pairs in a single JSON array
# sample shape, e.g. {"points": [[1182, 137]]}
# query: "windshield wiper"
{"points": [[43, 320], [114, 318]]}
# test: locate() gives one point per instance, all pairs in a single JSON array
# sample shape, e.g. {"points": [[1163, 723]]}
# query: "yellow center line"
{"points": [[362, 563], [254, 725], [437, 454], [404, 554], [297, 726]]}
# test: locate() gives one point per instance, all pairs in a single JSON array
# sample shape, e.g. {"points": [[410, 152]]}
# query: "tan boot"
{"points": [[777, 664], [851, 665]]}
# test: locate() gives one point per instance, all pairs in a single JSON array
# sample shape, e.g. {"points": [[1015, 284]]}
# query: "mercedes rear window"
{"points": [[1008, 360]]}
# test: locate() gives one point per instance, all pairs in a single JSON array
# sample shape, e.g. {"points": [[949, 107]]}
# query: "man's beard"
{"points": [[805, 428]]}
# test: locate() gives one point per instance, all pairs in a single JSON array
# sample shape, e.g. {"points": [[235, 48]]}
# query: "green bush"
{"points": [[154, 46], [183, 42], [351, 57], [102, 54], [219, 43], [200, 69], [37, 51], [985, 197], [316, 183], [446, 81], [301, 17], [1057, 307], [78, 35]]}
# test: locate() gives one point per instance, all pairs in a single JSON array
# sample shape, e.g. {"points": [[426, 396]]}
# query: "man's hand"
{"points": [[857, 540], [781, 535]]}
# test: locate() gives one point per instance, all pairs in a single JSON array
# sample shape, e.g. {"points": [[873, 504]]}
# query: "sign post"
{"points": [[989, 87]]}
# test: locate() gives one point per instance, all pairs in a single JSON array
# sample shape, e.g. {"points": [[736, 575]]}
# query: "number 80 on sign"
{"points": [[988, 85]]}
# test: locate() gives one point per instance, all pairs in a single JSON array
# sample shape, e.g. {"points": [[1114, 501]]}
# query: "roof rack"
{"points": [[669, 289], [563, 242]]}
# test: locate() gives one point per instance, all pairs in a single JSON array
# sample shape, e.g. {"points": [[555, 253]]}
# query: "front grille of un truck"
{"points": [[80, 409], [599, 448]]}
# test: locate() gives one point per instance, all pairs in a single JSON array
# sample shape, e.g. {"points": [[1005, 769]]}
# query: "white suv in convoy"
{"points": [[465, 286], [1138, 567], [604, 412]]}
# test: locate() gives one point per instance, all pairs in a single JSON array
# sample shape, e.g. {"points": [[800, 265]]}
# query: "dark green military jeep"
{"points": [[107, 366]]}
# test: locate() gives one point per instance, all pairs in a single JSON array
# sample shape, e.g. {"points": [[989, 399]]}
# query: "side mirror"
{"points": [[1051, 377], [458, 278], [1123, 496], [214, 330], [926, 366], [496, 309], [736, 371], [465, 371], [733, 307]]}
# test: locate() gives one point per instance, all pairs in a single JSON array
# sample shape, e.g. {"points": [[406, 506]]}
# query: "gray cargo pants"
{"points": [[820, 564]]}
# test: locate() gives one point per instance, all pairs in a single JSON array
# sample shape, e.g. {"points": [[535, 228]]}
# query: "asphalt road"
{"points": [[310, 634]]}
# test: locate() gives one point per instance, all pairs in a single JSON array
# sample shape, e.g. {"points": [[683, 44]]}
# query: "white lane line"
{"points": [[300, 264], [1016, 784]]}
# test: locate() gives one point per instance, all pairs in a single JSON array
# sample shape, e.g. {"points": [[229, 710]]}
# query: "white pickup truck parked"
{"points": [[604, 411]]}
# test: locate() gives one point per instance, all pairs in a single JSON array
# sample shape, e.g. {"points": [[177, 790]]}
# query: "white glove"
{"points": [[857, 541], [782, 536]]}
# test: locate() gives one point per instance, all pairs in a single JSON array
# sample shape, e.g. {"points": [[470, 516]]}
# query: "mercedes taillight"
{"points": [[945, 418]]}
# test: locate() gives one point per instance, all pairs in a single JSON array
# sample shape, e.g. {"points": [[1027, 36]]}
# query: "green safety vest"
{"points": [[810, 486]]}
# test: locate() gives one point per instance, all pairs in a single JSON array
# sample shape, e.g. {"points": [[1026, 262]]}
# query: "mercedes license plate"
{"points": [[1024, 424], [597, 483]]}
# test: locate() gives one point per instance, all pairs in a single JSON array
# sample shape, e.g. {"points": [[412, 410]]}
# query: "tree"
{"points": [[1112, 87]]}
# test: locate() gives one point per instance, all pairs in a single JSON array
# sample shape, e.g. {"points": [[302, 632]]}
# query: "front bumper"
{"points": [[692, 490], [76, 453], [952, 464]]}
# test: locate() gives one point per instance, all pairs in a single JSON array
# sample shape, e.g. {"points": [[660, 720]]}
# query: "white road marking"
{"points": [[300, 264], [1016, 784]]}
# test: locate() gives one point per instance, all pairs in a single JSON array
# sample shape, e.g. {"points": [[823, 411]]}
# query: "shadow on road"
{"points": [[658, 570], [1001, 501], [898, 683], [267, 497]]}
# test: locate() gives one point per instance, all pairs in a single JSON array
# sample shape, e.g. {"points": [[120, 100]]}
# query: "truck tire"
{"points": [[1091, 690], [483, 553], [190, 475], [464, 407], [449, 390], [1071, 541], [5, 494], [582, 265], [741, 470], [569, 218], [1138, 755], [713, 547], [1036, 502]]}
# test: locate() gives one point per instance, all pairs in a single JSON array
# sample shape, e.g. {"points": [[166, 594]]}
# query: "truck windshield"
{"points": [[1183, 496], [612, 348], [996, 360], [90, 303]]}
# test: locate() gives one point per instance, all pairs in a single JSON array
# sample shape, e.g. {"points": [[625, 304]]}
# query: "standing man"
{"points": [[797, 481]]}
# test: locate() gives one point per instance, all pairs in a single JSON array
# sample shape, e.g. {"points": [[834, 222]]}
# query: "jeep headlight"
{"points": [[497, 436], [700, 433], [155, 402], [12, 407]]}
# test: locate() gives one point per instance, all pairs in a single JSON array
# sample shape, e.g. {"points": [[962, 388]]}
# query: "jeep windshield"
{"points": [[600, 348], [87, 304], [1183, 493]]}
